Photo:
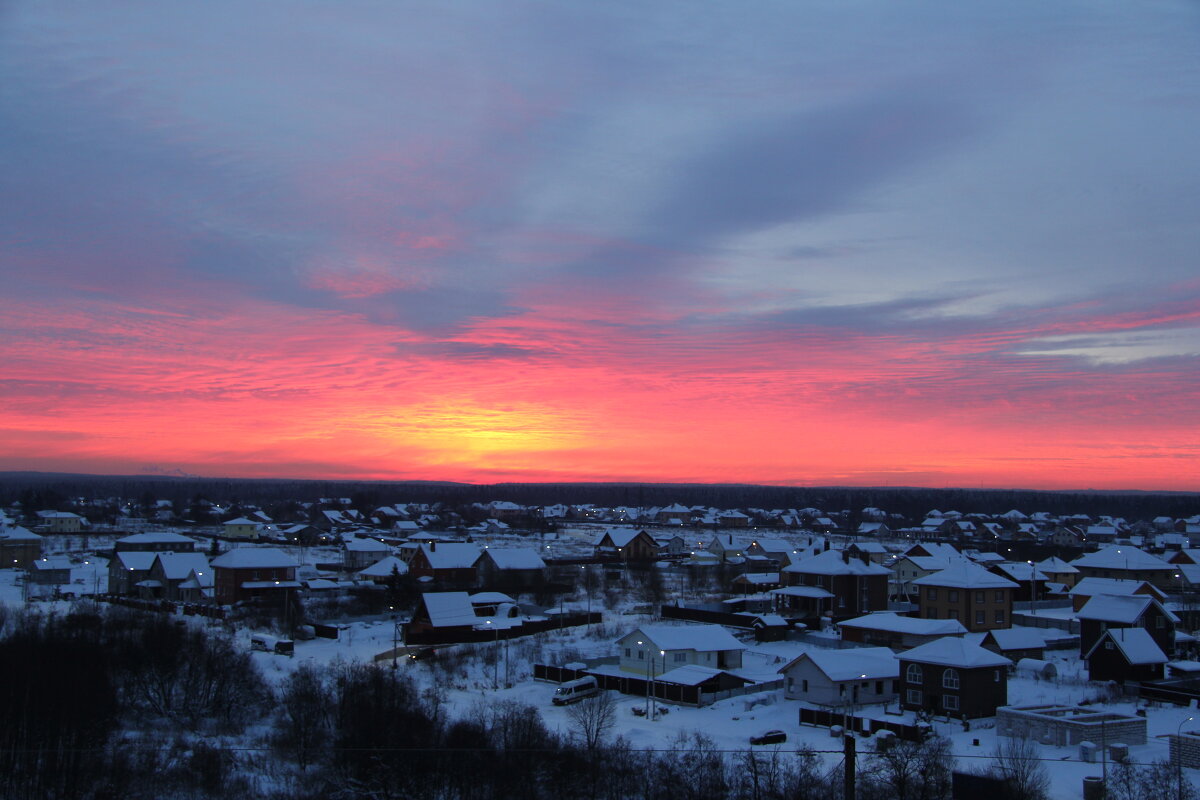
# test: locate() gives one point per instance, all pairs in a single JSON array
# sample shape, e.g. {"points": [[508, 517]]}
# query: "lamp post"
{"points": [[1032, 590], [1179, 758], [496, 668]]}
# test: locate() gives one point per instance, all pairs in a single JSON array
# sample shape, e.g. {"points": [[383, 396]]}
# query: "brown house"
{"points": [[155, 543], [1015, 643], [19, 547], [967, 592], [247, 573], [1127, 563], [446, 562], [626, 544], [1110, 612], [1088, 588], [839, 585], [953, 677], [1125, 654]]}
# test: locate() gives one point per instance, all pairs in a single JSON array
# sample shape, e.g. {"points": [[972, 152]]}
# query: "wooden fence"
{"points": [[865, 725], [466, 636]]}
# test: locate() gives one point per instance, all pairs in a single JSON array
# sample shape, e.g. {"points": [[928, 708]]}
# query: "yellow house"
{"points": [[241, 528]]}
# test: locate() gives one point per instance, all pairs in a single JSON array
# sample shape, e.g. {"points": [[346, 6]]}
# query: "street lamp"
{"points": [[1032, 590], [1179, 758]]}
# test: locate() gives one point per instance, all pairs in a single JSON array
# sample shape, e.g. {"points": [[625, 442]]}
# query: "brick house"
{"points": [[854, 585], [446, 562], [954, 677], [967, 592], [247, 573], [626, 545], [1127, 563]]}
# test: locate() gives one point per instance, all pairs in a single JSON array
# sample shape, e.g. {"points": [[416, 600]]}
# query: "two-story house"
{"points": [[247, 573], [967, 592], [655, 649]]}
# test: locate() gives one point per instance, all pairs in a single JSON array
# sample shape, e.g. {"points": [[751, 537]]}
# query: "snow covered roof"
{"points": [[1136, 644], [451, 555], [177, 566], [619, 536], [157, 538], [965, 575], [1016, 638], [954, 651], [242, 521], [1119, 608], [448, 609], [1121, 556], [832, 562], [1056, 565], [51, 563], [890, 621], [490, 598], [135, 560], [702, 638], [15, 533], [523, 558], [859, 663], [1115, 586], [1020, 571], [693, 675], [384, 567], [815, 592], [936, 549], [367, 546], [251, 557]]}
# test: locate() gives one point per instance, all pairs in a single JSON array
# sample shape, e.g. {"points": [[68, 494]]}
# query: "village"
{"points": [[761, 628]]}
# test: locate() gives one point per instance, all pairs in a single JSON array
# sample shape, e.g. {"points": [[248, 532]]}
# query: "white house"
{"points": [[659, 648], [854, 676]]}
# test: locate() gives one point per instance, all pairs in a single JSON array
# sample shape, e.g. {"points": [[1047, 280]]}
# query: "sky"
{"points": [[812, 243]]}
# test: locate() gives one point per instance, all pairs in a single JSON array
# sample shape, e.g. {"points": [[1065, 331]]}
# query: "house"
{"points": [[60, 521], [513, 567], [242, 528], [854, 584], [889, 629], [728, 547], [127, 569], [968, 593], [954, 677], [1127, 563], [674, 514], [18, 547], [448, 613], [655, 649], [1125, 654], [1058, 571], [49, 571], [384, 570], [733, 519], [163, 542], [1015, 643], [1088, 588], [907, 568], [1030, 581], [756, 581], [941, 550], [447, 562], [248, 573], [874, 551], [362, 553], [858, 676], [197, 587], [878, 529], [169, 570], [1106, 612], [773, 550], [625, 544]]}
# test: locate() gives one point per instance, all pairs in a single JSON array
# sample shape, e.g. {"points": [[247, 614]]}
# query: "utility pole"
{"points": [[848, 753]]}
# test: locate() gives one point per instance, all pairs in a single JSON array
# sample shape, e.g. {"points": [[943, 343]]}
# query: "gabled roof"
{"points": [[449, 609], [618, 536], [831, 562], [859, 663], [367, 545], [523, 558], [965, 575], [384, 567], [701, 638], [893, 622], [157, 538], [242, 521], [1019, 571], [1016, 638], [1125, 609], [177, 566], [1135, 644], [1121, 556], [135, 560], [15, 533], [1056, 565], [1089, 587], [694, 675], [252, 557], [953, 651], [451, 555]]}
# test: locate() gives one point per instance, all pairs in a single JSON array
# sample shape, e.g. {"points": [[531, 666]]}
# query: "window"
{"points": [[953, 596], [950, 702], [931, 594], [804, 686], [1108, 645], [680, 658], [999, 595], [913, 674], [1158, 622], [1000, 616], [996, 675], [842, 689], [878, 687], [627, 652], [950, 679], [791, 686], [931, 613], [641, 655], [952, 614], [980, 618], [914, 697], [979, 597]]}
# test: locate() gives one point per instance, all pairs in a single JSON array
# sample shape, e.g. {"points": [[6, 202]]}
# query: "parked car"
{"points": [[770, 737], [573, 691]]}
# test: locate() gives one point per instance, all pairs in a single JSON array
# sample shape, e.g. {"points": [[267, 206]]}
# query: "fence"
{"points": [[827, 719], [1180, 691], [165, 606], [641, 687]]}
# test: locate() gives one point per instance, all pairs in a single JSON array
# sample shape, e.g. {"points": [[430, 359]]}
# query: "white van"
{"points": [[574, 690]]}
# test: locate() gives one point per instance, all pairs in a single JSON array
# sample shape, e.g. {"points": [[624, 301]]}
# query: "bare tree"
{"points": [[1018, 762], [909, 771], [304, 724], [593, 718]]}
